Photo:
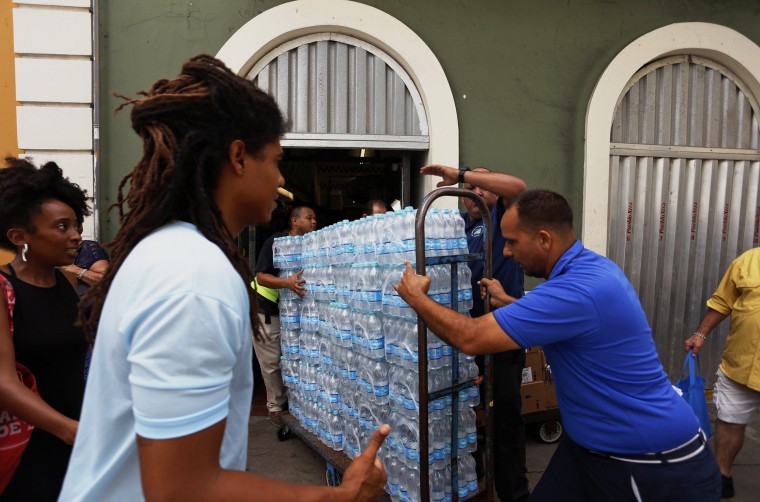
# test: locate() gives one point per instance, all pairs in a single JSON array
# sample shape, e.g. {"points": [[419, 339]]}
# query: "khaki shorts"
{"points": [[736, 403]]}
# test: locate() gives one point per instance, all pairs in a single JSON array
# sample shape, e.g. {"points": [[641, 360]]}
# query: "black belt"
{"points": [[681, 453]]}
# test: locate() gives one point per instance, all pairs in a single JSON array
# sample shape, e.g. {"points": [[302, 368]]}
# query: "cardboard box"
{"points": [[535, 361], [533, 397]]}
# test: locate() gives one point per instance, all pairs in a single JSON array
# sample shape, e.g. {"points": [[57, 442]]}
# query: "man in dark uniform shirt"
{"points": [[302, 220]]}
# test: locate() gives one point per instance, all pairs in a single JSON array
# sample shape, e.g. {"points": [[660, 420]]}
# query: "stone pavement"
{"points": [[294, 462]]}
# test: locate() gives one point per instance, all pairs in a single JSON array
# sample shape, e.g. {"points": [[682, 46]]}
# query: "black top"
{"points": [[265, 264], [47, 342]]}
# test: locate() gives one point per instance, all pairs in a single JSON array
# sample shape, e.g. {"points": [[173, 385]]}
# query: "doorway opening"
{"points": [[337, 184]]}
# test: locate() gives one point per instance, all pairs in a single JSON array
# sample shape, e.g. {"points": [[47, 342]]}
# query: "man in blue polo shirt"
{"points": [[629, 435]]}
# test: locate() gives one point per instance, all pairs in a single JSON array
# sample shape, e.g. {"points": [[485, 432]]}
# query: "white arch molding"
{"points": [[723, 45], [281, 24]]}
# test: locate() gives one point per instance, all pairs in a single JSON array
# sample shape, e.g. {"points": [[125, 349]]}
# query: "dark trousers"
{"points": [[575, 474], [509, 428]]}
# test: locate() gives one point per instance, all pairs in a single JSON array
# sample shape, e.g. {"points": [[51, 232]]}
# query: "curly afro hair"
{"points": [[23, 190]]}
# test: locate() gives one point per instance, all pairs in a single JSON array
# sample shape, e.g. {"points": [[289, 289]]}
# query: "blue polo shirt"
{"points": [[505, 269], [613, 392]]}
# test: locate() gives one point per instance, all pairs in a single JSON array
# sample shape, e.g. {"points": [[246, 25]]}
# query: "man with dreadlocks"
{"points": [[166, 409]]}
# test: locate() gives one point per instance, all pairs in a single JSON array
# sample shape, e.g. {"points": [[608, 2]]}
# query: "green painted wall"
{"points": [[140, 42], [527, 68]]}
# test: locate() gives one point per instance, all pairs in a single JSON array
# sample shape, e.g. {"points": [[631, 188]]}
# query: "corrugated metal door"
{"points": [[340, 92], [684, 179]]}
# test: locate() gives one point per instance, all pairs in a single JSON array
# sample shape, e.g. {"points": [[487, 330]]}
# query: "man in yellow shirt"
{"points": [[737, 391]]}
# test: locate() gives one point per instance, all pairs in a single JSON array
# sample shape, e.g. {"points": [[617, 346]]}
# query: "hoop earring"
{"points": [[24, 251]]}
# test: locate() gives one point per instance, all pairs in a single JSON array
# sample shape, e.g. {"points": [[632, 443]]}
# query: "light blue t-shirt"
{"points": [[172, 357], [612, 391]]}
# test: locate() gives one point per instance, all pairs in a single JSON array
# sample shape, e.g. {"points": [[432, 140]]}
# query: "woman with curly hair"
{"points": [[165, 415], [40, 212]]}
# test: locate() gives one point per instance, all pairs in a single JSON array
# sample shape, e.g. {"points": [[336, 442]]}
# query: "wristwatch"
{"points": [[462, 170]]}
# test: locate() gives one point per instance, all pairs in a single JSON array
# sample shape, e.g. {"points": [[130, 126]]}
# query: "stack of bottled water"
{"points": [[350, 347]]}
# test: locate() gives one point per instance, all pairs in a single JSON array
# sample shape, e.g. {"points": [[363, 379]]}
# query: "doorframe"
{"points": [[299, 18], [702, 39]]}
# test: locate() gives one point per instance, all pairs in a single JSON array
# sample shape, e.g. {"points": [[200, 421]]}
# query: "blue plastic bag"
{"points": [[693, 391]]}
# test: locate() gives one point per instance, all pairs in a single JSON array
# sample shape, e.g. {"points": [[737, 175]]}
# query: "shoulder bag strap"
{"points": [[10, 299]]}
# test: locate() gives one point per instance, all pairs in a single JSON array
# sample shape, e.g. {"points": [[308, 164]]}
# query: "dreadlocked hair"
{"points": [[23, 190], [187, 125]]}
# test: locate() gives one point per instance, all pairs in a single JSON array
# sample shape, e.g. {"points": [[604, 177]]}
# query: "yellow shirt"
{"points": [[738, 295]]}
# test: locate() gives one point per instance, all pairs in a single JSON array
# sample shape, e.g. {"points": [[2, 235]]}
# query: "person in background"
{"points": [[375, 206], [737, 390], [267, 284], [629, 435], [39, 214], [496, 189], [167, 406], [89, 266]]}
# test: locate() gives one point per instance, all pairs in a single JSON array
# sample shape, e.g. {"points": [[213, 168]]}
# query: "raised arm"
{"points": [[502, 184]]}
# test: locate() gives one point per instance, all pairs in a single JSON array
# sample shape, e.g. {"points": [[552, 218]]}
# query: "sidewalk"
{"points": [[294, 462]]}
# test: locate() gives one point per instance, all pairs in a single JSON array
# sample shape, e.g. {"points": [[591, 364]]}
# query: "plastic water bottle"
{"points": [[374, 287], [413, 483], [290, 313], [407, 233], [390, 300], [461, 235], [467, 436], [344, 325], [350, 440], [397, 245], [289, 344], [409, 349], [411, 439], [375, 337], [438, 485], [468, 477], [380, 382], [339, 239], [430, 235], [289, 372], [449, 231], [373, 245], [355, 285], [435, 351], [335, 431], [444, 276], [464, 295], [391, 469], [277, 252]]}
